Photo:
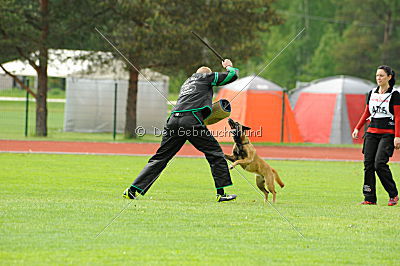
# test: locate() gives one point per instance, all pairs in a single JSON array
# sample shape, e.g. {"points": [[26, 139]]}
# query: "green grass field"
{"points": [[53, 206]]}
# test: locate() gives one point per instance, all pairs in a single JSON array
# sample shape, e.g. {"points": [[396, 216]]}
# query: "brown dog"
{"points": [[245, 155]]}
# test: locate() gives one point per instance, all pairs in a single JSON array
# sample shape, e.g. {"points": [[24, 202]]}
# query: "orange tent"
{"points": [[258, 103]]}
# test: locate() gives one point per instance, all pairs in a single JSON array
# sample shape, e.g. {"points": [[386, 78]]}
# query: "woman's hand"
{"points": [[397, 143], [355, 134]]}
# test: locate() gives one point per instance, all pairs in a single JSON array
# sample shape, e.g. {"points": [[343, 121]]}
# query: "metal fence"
{"points": [[94, 111], [18, 114]]}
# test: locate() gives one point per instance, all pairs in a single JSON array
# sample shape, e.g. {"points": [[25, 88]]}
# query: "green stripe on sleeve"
{"points": [[231, 74], [215, 79]]}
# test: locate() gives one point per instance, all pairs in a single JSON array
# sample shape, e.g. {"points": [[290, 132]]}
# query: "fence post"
{"points": [[283, 116], [115, 109], [27, 109]]}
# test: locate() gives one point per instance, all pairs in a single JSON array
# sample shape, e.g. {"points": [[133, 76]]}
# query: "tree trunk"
{"points": [[385, 56], [41, 97], [130, 119], [41, 100]]}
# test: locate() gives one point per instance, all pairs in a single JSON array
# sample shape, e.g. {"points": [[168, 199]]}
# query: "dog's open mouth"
{"points": [[232, 123], [235, 130]]}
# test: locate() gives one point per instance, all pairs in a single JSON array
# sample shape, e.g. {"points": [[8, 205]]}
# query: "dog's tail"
{"points": [[277, 178]]}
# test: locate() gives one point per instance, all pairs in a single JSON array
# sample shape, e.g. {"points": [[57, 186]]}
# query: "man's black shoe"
{"points": [[128, 194], [225, 197]]}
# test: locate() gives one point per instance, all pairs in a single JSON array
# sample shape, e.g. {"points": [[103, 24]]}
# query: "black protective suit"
{"points": [[186, 123]]}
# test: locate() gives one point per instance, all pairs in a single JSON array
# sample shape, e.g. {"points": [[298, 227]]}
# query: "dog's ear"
{"points": [[246, 128]]}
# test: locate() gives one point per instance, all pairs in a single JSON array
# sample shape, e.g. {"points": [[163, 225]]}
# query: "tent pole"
{"points": [[115, 110], [283, 116], [27, 109]]}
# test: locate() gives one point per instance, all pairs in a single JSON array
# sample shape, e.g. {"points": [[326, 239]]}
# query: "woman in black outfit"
{"points": [[382, 136]]}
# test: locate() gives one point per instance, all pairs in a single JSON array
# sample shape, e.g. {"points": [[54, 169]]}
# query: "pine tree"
{"points": [[156, 34]]}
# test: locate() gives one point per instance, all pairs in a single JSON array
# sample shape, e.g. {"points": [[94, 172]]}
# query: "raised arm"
{"points": [[222, 78]]}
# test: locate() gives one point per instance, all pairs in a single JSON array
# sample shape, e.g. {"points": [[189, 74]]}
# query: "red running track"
{"points": [[146, 149]]}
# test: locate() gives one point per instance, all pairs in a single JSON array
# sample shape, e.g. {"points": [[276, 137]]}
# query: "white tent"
{"points": [[61, 64], [327, 110], [6, 82], [90, 104]]}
